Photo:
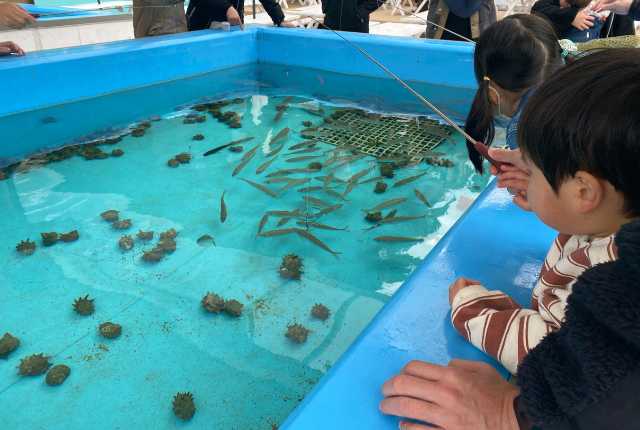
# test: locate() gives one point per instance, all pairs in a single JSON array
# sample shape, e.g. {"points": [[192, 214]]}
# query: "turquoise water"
{"points": [[243, 372]]}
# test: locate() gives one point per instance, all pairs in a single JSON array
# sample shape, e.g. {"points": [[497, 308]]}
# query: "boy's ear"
{"points": [[588, 192]]}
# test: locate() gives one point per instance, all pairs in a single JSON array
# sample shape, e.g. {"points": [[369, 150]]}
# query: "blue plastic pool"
{"points": [[242, 371]]}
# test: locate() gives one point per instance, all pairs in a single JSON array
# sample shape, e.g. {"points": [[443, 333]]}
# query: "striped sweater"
{"points": [[495, 323]]}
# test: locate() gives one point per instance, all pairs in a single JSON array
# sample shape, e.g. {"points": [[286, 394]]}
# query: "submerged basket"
{"points": [[384, 136]]}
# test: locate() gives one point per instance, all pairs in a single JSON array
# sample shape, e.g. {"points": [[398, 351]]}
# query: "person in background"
{"points": [[468, 18], [201, 13], [630, 8], [511, 58], [622, 18], [583, 376], [571, 19], [349, 15], [13, 16], [158, 17]]}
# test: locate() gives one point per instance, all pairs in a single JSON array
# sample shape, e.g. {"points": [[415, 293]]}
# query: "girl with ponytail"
{"points": [[512, 57]]}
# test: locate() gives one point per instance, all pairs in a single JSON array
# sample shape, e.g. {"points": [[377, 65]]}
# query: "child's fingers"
{"points": [[514, 184], [522, 202], [406, 425]]}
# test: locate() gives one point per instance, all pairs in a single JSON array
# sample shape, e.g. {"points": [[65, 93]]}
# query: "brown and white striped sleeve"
{"points": [[496, 324]]}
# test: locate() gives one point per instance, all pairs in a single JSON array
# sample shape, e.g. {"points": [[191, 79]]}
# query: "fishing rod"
{"points": [[480, 147]]}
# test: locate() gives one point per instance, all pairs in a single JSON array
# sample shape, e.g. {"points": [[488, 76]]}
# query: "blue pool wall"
{"points": [[49, 78], [494, 241]]}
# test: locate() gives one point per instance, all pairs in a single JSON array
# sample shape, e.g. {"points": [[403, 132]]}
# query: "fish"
{"points": [[320, 226], [391, 214], [261, 187], [223, 209], [283, 221], [282, 134], [360, 174], [302, 145], [221, 147], [245, 160], [281, 232], [325, 211], [350, 186], [309, 189], [397, 239], [275, 151], [395, 219], [376, 179], [303, 158], [278, 179], [319, 112], [408, 180], [281, 108], [316, 202], [348, 160], [262, 223], [334, 194], [386, 204], [310, 237], [422, 197], [294, 183], [290, 171], [329, 178], [305, 150], [290, 214], [264, 166]]}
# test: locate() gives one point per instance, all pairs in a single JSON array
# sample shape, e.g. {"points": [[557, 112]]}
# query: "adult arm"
{"points": [[621, 7], [12, 15], [560, 18], [274, 10]]}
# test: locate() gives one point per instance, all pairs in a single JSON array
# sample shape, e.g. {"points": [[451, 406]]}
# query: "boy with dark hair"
{"points": [[582, 150]]}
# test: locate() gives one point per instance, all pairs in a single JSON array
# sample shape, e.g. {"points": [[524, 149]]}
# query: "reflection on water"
{"points": [[242, 370]]}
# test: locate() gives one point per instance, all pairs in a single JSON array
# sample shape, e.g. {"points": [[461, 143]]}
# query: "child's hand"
{"points": [[458, 285], [583, 20], [513, 174]]}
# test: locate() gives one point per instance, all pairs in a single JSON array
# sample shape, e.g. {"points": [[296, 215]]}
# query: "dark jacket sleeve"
{"points": [[274, 10], [560, 18], [369, 6], [585, 375], [634, 10]]}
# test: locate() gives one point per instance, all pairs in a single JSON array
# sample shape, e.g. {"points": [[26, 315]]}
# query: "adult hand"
{"points": [[463, 395], [513, 174], [616, 6], [12, 15], [458, 285], [583, 20], [233, 17], [288, 24], [7, 48]]}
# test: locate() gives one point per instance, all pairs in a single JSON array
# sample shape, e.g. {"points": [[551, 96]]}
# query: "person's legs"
{"points": [[158, 19]]}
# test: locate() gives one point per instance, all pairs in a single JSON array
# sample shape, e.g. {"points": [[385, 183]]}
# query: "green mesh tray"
{"points": [[384, 136]]}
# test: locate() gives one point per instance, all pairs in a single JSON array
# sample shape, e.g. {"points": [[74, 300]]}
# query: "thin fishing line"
{"points": [[426, 21], [403, 83]]}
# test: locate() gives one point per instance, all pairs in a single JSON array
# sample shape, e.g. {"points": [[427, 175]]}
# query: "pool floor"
{"points": [[243, 371]]}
